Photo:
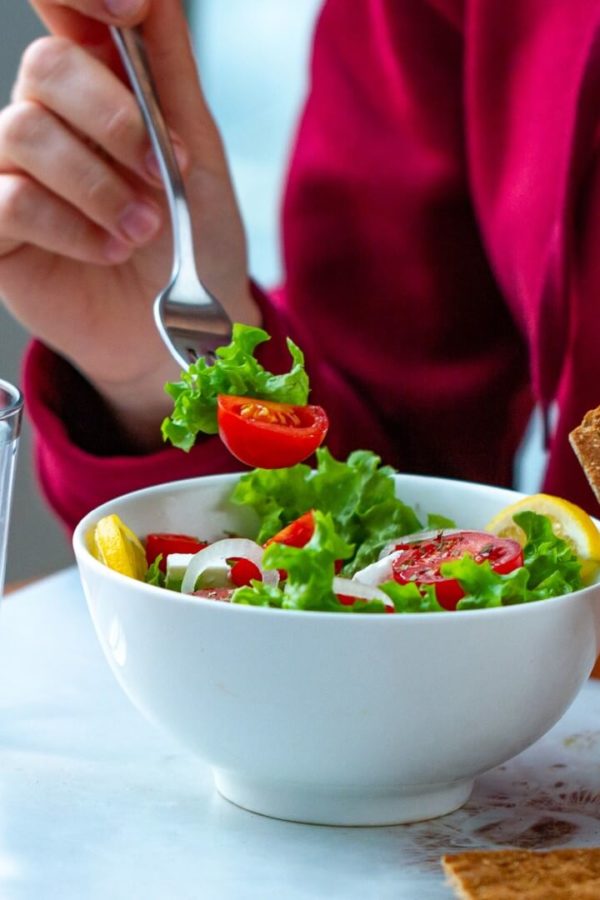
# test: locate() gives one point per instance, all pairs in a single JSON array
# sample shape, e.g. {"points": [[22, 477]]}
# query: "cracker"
{"points": [[570, 874], [585, 441]]}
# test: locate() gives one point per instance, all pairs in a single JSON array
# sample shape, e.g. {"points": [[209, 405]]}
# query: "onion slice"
{"points": [[349, 587], [377, 572], [218, 553]]}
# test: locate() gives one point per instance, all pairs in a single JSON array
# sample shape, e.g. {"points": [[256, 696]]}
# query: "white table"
{"points": [[96, 804]]}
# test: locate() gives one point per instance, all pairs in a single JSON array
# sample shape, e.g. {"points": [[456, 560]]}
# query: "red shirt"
{"points": [[441, 232]]}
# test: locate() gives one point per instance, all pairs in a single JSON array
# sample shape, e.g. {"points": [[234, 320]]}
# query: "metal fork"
{"points": [[191, 322]]}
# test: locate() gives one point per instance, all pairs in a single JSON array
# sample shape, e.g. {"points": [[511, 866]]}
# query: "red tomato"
{"points": [[419, 561], [297, 534], [243, 571], [269, 435], [170, 543]]}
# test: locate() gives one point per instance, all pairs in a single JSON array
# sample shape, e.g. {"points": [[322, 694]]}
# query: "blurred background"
{"points": [[254, 62]]}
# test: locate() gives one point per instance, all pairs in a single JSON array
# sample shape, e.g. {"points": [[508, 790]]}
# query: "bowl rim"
{"points": [[82, 552]]}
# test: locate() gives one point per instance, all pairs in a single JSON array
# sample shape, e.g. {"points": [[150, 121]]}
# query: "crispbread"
{"points": [[570, 874], [585, 441]]}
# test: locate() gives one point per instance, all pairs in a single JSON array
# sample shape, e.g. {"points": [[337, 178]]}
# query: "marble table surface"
{"points": [[97, 804]]}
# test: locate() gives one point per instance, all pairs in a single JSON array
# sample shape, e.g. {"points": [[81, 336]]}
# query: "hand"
{"points": [[85, 243]]}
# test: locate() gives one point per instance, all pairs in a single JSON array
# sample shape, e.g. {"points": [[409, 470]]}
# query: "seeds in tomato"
{"points": [[258, 412]]}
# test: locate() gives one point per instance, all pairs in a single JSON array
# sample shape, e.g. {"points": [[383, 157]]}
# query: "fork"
{"points": [[191, 322]]}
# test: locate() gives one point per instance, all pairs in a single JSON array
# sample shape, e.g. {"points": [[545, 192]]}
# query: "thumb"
{"points": [[173, 64]]}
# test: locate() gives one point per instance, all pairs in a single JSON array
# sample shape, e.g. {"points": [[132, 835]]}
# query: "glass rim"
{"points": [[16, 400]]}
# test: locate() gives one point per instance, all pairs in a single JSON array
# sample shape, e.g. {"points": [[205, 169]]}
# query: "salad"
{"points": [[335, 538]]}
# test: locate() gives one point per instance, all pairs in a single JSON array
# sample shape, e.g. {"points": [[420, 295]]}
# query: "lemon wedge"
{"points": [[115, 545], [569, 522]]}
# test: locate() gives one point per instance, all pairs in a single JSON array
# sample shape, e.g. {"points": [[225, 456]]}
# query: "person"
{"points": [[440, 231]]}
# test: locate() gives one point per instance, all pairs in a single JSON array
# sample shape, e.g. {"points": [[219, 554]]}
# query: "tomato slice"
{"points": [[419, 561], [243, 571], [170, 543], [269, 435], [297, 534]]}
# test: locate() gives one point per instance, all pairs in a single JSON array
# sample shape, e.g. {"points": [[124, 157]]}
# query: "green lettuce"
{"points": [[550, 569], [359, 495], [153, 573], [235, 371], [408, 598], [310, 573]]}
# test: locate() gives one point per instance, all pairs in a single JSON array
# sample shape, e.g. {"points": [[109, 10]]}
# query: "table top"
{"points": [[95, 802]]}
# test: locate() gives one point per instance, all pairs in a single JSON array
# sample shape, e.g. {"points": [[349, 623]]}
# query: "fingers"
{"points": [[72, 119], [173, 64], [30, 214], [63, 78], [85, 20], [171, 56], [35, 142]]}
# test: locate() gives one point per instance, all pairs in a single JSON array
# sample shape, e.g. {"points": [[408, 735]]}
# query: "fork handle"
{"points": [[130, 44]]}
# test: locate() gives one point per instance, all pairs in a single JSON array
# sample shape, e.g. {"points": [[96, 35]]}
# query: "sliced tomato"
{"points": [[170, 543], [269, 435], [419, 561], [297, 534], [243, 571]]}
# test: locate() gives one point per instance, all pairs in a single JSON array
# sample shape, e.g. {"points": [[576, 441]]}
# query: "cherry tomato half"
{"points": [[243, 571], [419, 561], [269, 435], [297, 534], [170, 543]]}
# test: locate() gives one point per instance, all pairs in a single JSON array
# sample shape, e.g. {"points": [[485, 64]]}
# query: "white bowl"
{"points": [[331, 718]]}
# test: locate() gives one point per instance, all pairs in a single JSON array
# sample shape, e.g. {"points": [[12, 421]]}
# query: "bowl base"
{"points": [[333, 805]]}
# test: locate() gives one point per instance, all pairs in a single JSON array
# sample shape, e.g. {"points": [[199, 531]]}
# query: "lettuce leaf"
{"points": [[235, 371], [310, 572], [153, 573], [359, 495], [551, 568], [409, 599]]}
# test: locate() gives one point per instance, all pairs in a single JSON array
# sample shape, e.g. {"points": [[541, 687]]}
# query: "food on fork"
{"points": [[568, 874], [263, 419]]}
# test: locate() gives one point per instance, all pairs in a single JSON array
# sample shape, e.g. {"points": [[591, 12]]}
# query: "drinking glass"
{"points": [[11, 408]]}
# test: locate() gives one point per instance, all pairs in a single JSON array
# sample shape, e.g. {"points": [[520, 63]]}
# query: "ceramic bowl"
{"points": [[330, 718]]}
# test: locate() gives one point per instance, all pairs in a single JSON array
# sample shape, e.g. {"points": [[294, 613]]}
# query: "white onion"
{"points": [[429, 535], [351, 588], [218, 553], [377, 572]]}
